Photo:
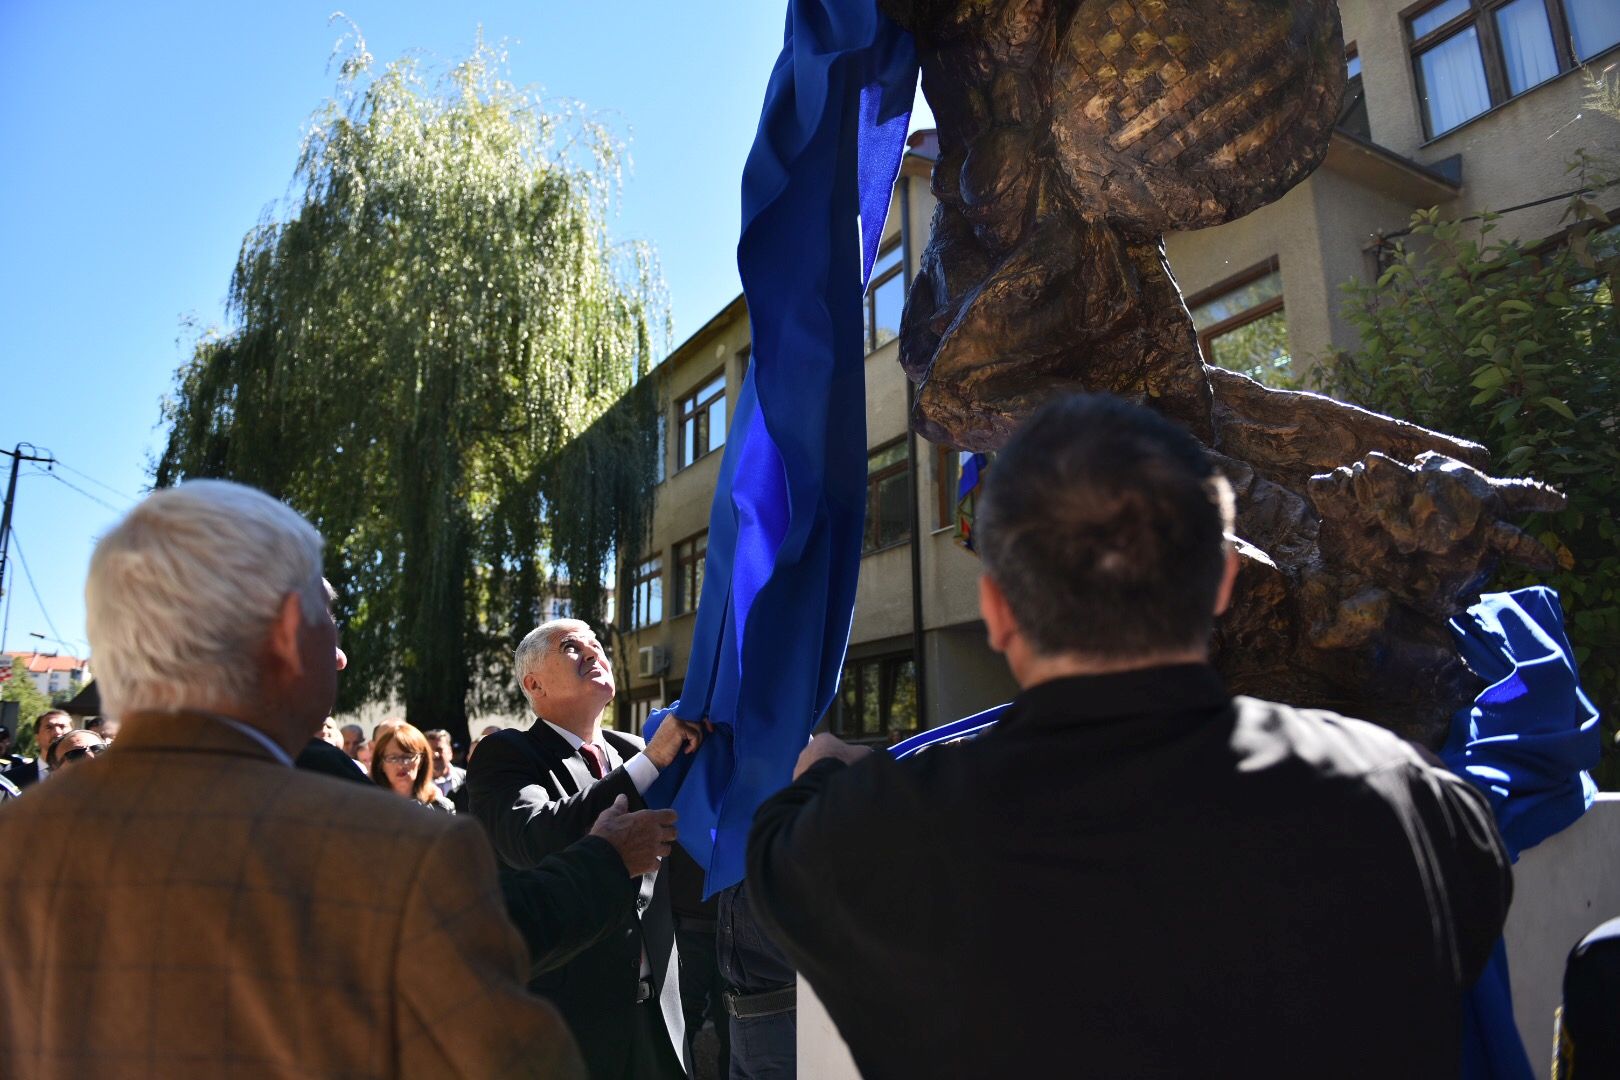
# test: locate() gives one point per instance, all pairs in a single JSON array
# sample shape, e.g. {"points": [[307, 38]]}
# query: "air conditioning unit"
{"points": [[651, 660]]}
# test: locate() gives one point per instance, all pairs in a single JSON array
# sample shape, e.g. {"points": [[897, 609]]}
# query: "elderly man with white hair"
{"points": [[258, 920], [536, 791]]}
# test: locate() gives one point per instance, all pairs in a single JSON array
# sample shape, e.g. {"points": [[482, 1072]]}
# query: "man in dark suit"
{"points": [[1133, 874], [536, 792]]}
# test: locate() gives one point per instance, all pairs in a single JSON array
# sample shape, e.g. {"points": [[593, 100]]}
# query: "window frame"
{"points": [[947, 478], [888, 665], [691, 408], [685, 560], [640, 575], [1243, 318], [869, 300], [873, 481], [1481, 14]]}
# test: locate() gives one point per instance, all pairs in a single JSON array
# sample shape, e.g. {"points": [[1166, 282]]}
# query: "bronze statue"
{"points": [[1073, 134]]}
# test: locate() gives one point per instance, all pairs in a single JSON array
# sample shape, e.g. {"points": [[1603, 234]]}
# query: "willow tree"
{"points": [[411, 354]]}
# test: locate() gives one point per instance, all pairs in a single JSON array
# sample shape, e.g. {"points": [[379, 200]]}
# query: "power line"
{"points": [[86, 476], [93, 498], [1593, 190], [29, 574]]}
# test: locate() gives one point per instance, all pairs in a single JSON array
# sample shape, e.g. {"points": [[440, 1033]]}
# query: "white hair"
{"points": [[535, 644], [183, 591]]}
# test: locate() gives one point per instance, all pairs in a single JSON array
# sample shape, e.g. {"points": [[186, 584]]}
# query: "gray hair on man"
{"points": [[183, 591], [535, 644]]}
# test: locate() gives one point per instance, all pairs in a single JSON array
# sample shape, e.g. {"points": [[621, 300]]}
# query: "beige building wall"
{"points": [[1323, 232]]}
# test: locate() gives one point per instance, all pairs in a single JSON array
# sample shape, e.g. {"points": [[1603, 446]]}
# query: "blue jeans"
{"points": [[763, 1047]]}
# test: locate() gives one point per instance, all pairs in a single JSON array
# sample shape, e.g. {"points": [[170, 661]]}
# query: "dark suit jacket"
{"points": [[1136, 875], [320, 756], [535, 796]]}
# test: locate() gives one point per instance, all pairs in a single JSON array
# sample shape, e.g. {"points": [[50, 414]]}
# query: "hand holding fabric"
{"points": [[828, 746], [673, 737]]}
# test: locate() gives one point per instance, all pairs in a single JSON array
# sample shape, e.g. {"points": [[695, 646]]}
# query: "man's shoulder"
{"points": [[1331, 745]]}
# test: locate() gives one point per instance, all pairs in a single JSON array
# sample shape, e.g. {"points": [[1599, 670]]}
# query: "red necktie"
{"points": [[594, 759]]}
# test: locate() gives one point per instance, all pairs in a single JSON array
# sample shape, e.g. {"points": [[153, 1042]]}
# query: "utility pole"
{"points": [[17, 458]]}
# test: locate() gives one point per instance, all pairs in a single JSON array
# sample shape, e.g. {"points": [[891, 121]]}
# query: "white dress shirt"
{"points": [[640, 768]]}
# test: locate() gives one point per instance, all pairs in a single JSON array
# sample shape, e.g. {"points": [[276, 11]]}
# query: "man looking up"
{"points": [[1133, 874], [536, 792], [268, 921]]}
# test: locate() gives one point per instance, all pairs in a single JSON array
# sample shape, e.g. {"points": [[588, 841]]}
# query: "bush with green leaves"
{"points": [[1516, 348]]}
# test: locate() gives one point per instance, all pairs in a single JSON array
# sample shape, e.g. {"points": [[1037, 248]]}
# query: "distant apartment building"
{"points": [[1467, 105], [52, 673]]}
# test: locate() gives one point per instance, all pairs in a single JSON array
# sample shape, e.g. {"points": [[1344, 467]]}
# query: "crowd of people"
{"points": [[1134, 874]]}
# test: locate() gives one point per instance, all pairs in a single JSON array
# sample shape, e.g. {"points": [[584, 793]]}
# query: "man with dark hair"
{"points": [[50, 726], [1134, 873], [448, 777]]}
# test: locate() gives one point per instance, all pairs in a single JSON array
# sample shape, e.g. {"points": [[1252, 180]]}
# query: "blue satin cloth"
{"points": [[1526, 743], [785, 527]]}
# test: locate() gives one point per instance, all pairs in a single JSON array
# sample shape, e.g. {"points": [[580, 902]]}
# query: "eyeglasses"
{"points": [[401, 759], [82, 752]]}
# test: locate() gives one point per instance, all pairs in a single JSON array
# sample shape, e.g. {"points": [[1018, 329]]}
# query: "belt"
{"points": [[770, 1003], [645, 991]]}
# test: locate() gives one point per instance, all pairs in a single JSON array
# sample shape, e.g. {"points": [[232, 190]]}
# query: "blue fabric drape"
{"points": [[1526, 742], [785, 526]]}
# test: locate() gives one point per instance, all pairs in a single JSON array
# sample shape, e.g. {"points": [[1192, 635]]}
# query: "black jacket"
{"points": [[1136, 875], [534, 795]]}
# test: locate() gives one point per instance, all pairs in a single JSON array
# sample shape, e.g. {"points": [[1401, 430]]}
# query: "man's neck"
{"points": [[282, 734], [1035, 670], [586, 728]]}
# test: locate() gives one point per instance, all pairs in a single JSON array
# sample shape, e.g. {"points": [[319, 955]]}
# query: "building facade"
{"points": [[53, 673], [1468, 105]]}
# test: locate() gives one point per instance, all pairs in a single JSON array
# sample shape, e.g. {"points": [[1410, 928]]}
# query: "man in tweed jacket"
{"points": [[231, 916]]}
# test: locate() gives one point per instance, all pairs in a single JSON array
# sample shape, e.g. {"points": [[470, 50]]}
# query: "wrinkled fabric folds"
{"points": [[786, 522]]}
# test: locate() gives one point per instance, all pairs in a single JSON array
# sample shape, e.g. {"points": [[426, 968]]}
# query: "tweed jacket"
{"points": [[190, 907]]}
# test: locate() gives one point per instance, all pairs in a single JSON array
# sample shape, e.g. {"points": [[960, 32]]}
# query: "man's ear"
{"points": [[1223, 598], [531, 683], [282, 644], [1000, 626]]}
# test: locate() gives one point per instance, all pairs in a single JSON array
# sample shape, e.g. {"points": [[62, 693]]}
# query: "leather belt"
{"points": [[769, 1003], [645, 991]]}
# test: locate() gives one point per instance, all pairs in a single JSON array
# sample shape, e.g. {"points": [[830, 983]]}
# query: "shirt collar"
{"points": [[1164, 689], [256, 735], [573, 740]]}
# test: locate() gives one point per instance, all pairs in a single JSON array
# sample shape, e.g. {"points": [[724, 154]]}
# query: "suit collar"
{"points": [[196, 733]]}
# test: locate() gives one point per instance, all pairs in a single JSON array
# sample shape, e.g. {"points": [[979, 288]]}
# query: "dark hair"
{"points": [[1104, 525]]}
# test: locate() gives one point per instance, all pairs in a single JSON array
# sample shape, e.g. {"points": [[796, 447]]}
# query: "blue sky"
{"points": [[143, 141]]}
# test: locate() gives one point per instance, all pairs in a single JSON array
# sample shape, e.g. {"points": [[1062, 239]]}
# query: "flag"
{"points": [[785, 526]]}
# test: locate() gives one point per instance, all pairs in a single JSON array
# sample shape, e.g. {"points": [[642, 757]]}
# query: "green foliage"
{"points": [[31, 702], [1519, 350], [440, 313]]}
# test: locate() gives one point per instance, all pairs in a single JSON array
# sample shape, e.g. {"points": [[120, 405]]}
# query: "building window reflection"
{"points": [[885, 298], [1241, 325]]}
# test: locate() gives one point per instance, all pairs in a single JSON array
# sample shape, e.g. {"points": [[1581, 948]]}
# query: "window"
{"points": [[885, 298], [1472, 54], [1353, 110], [877, 699], [689, 556], [640, 710], [888, 508], [558, 608], [703, 421], [1241, 325], [947, 475], [647, 593]]}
